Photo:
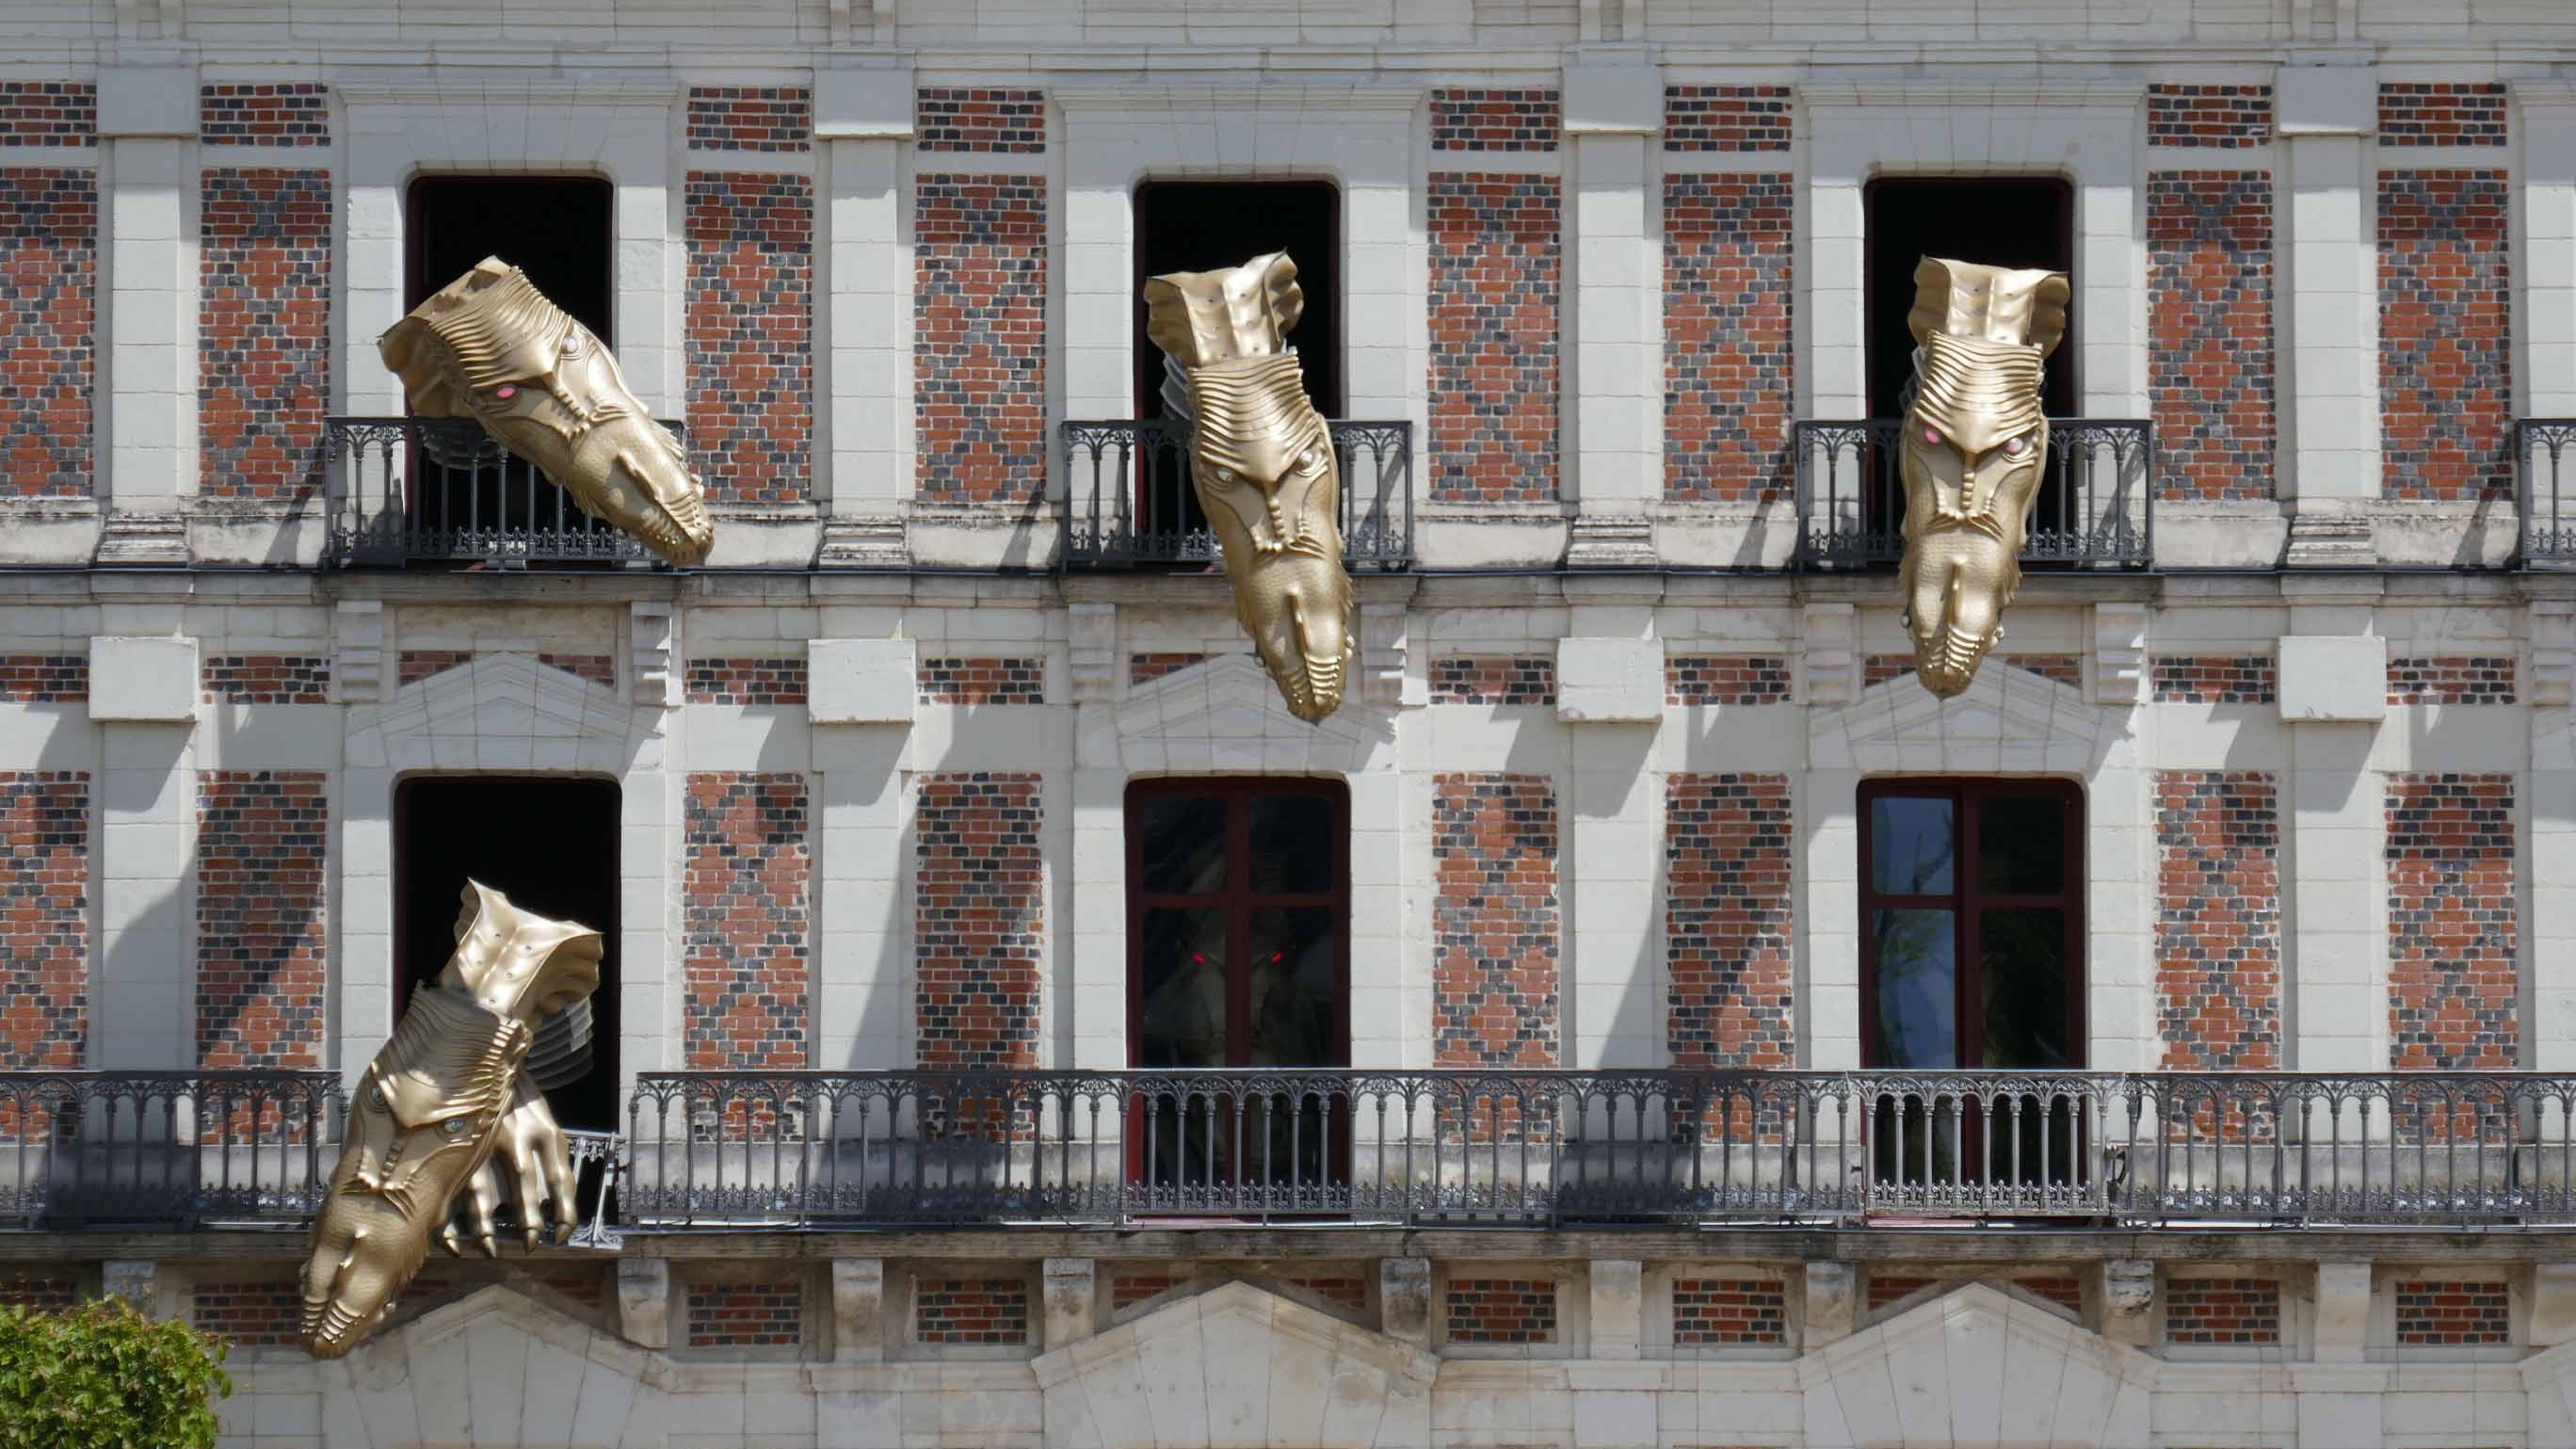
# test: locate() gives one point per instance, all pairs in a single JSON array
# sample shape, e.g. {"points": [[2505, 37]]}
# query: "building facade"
{"points": [[1641, 1018]]}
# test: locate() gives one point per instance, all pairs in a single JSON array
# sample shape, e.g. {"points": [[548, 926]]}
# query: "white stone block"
{"points": [[2327, 100], [142, 679], [147, 100], [1610, 680], [1613, 98], [863, 105], [861, 681], [2334, 677]]}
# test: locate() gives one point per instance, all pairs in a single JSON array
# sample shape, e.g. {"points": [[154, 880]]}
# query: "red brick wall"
{"points": [[1728, 909], [1346, 1289], [1880, 668], [2442, 113], [37, 1288], [263, 331], [746, 679], [2222, 1310], [1729, 367], [252, 1313], [2451, 679], [1727, 118], [2209, 306], [2453, 922], [287, 113], [1495, 120], [44, 919], [2442, 1311], [2063, 669], [750, 337], [1493, 679], [1726, 679], [2209, 117], [983, 681], [2218, 920], [1886, 1288], [48, 325], [1146, 668], [751, 118], [979, 119], [1126, 1290], [44, 678], [1495, 957], [747, 1313], [1501, 1310], [979, 911], [745, 916], [48, 113], [262, 942], [979, 337], [2445, 335], [2063, 1289], [266, 678], [2215, 679], [970, 1310], [1495, 264], [414, 665], [1729, 1311], [597, 668]]}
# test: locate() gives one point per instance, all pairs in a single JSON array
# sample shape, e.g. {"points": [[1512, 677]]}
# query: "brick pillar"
{"points": [[979, 918], [1496, 262], [1728, 360], [2445, 335], [1729, 914], [750, 333], [263, 941], [1495, 959], [2209, 301], [51, 228], [44, 933], [2453, 923], [2218, 920], [263, 331], [747, 949], [979, 337]]}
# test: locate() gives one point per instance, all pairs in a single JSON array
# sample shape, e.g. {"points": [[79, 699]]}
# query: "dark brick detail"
{"points": [[2209, 317], [2445, 335], [2215, 679], [44, 919], [979, 344], [2450, 1312], [1339, 1288], [947, 118], [753, 1313], [1729, 1311], [751, 334], [2222, 1310], [737, 679], [48, 113], [2063, 669], [745, 913], [751, 118], [1493, 679], [2441, 113], [1501, 1310], [286, 113], [263, 331], [979, 912], [414, 665], [1146, 668], [2063, 1289], [260, 1313], [1886, 1288], [597, 668], [266, 678], [1728, 909], [262, 938], [48, 327], [1495, 120], [2206, 117], [1496, 257], [1729, 366], [970, 1310], [2218, 920], [2453, 922], [44, 678], [1880, 668], [47, 1292], [2451, 679], [1495, 958], [983, 681], [1726, 679], [1127, 1289], [1727, 118]]}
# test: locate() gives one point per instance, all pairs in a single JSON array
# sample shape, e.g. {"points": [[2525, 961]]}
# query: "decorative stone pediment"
{"points": [[1977, 1367], [2006, 719], [1237, 1368], [494, 1367], [1225, 714], [501, 712]]}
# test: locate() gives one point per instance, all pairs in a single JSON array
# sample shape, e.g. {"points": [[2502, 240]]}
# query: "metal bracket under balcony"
{"points": [[441, 491], [1128, 499], [2544, 460], [2096, 505]]}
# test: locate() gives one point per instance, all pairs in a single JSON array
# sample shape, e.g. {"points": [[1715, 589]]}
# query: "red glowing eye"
{"points": [[1932, 435], [2013, 446], [505, 392], [1195, 956]]}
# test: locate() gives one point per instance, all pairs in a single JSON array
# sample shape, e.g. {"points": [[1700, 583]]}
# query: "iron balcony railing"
{"points": [[2544, 461], [2096, 501], [715, 1150], [440, 490], [166, 1149], [1128, 499]]}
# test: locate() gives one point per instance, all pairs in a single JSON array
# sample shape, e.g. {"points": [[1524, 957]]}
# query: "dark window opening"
{"points": [[2005, 221], [547, 842]]}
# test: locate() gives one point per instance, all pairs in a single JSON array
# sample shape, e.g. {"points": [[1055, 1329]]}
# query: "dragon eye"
{"points": [[1932, 436], [1227, 475], [505, 392], [2015, 447], [455, 1127]]}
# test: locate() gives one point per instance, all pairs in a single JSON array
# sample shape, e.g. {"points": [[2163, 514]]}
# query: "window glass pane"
{"points": [[2024, 982], [1184, 845], [1292, 844], [2021, 844], [1291, 984], [1910, 845], [1182, 982], [1917, 981]]}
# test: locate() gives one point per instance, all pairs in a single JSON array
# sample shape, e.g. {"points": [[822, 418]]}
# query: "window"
{"points": [[2004, 221]]}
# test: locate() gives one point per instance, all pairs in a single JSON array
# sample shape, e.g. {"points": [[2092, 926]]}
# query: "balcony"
{"points": [[440, 491], [2544, 461], [1129, 503], [2096, 504]]}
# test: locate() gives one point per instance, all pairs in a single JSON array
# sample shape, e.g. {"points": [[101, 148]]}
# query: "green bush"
{"points": [[102, 1376]]}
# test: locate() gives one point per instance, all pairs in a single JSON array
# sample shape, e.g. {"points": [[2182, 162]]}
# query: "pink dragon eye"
{"points": [[2013, 446], [1932, 435], [505, 392]]}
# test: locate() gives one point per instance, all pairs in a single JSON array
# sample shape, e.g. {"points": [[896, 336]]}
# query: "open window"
{"points": [[2004, 221]]}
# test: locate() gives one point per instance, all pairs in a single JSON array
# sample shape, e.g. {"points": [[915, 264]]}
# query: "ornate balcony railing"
{"points": [[440, 490], [1128, 499], [166, 1149], [2096, 502], [713, 1150], [2544, 462]]}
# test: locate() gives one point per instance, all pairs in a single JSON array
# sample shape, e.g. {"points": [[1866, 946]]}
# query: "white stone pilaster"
{"points": [[1099, 923], [2329, 348], [143, 981], [2545, 123], [1614, 305], [862, 898], [863, 123], [2337, 933], [1827, 992], [147, 311]]}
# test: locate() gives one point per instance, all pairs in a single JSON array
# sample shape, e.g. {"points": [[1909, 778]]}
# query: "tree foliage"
{"points": [[102, 1376]]}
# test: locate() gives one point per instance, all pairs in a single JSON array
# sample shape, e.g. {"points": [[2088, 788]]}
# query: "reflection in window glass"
{"points": [[1910, 845], [2021, 844], [1917, 988], [1291, 988], [1292, 844], [1182, 982], [1184, 844], [2024, 983]]}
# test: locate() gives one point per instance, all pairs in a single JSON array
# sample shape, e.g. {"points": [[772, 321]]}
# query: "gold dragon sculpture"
{"points": [[453, 1100], [490, 347], [1262, 461], [1974, 445]]}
